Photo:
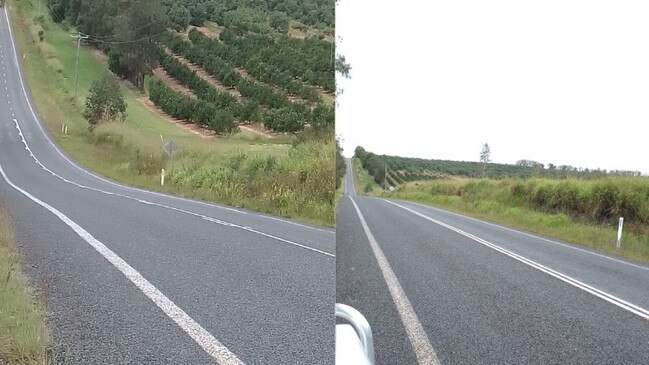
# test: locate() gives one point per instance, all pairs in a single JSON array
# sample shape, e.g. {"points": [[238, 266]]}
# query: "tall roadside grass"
{"points": [[585, 212], [24, 336], [298, 183]]}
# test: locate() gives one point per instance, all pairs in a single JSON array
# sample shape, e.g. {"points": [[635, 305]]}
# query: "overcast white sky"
{"points": [[565, 82]]}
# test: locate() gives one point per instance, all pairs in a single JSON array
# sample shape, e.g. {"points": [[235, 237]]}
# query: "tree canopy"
{"points": [[105, 102]]}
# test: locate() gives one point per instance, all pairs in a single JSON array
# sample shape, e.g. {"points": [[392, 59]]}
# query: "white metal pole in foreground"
{"points": [[619, 232], [162, 177]]}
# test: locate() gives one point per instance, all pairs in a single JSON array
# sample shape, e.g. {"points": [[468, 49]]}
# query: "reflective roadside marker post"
{"points": [[619, 232], [170, 148]]}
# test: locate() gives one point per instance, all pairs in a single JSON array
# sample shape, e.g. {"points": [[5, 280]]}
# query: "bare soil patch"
{"points": [[207, 31], [257, 128], [99, 54], [173, 83]]}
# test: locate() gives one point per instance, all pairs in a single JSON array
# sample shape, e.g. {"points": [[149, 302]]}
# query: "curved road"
{"points": [[439, 287], [131, 276]]}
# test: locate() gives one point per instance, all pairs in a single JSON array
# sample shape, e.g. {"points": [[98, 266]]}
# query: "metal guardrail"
{"points": [[360, 325]]}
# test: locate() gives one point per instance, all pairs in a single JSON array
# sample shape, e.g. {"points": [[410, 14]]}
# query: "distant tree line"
{"points": [[318, 13], [340, 164], [371, 162], [403, 169]]}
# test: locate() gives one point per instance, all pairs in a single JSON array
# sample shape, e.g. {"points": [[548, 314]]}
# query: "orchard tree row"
{"points": [[285, 117], [310, 60], [276, 62], [216, 51], [280, 116], [222, 71], [201, 88], [195, 110], [318, 13]]}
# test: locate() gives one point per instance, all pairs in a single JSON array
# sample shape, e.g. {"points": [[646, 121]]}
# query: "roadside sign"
{"points": [[170, 148]]}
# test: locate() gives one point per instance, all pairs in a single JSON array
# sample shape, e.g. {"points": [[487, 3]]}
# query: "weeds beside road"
{"points": [[24, 336]]}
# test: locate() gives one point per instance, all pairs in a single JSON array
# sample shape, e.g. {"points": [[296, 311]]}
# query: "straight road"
{"points": [[439, 287], [131, 276]]}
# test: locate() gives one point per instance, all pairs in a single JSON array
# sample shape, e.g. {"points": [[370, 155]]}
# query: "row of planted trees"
{"points": [[220, 120], [286, 117], [308, 60], [208, 50], [260, 103]]}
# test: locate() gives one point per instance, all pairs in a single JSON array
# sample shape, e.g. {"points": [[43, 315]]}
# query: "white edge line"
{"points": [[39, 123], [210, 219], [563, 277], [530, 235], [418, 338], [208, 342]]}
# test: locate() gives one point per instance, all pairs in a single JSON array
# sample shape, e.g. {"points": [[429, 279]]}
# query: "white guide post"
{"points": [[619, 232]]}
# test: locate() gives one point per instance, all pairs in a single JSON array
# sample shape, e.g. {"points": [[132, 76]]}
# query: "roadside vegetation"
{"points": [[222, 158], [363, 182], [582, 208], [24, 336]]}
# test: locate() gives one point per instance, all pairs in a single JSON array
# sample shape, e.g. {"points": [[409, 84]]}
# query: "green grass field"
{"points": [[24, 336], [131, 152], [499, 201]]}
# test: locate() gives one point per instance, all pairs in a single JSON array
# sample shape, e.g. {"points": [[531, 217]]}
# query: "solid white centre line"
{"points": [[563, 277], [210, 344], [418, 338]]}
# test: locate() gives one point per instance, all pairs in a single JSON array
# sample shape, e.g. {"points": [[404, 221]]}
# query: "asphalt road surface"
{"points": [[439, 287], [131, 276]]}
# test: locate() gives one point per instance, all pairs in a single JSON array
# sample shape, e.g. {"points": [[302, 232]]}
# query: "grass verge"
{"points": [[363, 182], [491, 200], [24, 336], [131, 152]]}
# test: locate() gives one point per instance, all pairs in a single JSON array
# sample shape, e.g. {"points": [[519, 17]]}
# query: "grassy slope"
{"points": [[362, 178], [488, 205], [24, 337], [115, 149]]}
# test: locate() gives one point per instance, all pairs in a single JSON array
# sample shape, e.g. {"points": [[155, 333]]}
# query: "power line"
{"points": [[133, 30], [129, 41]]}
